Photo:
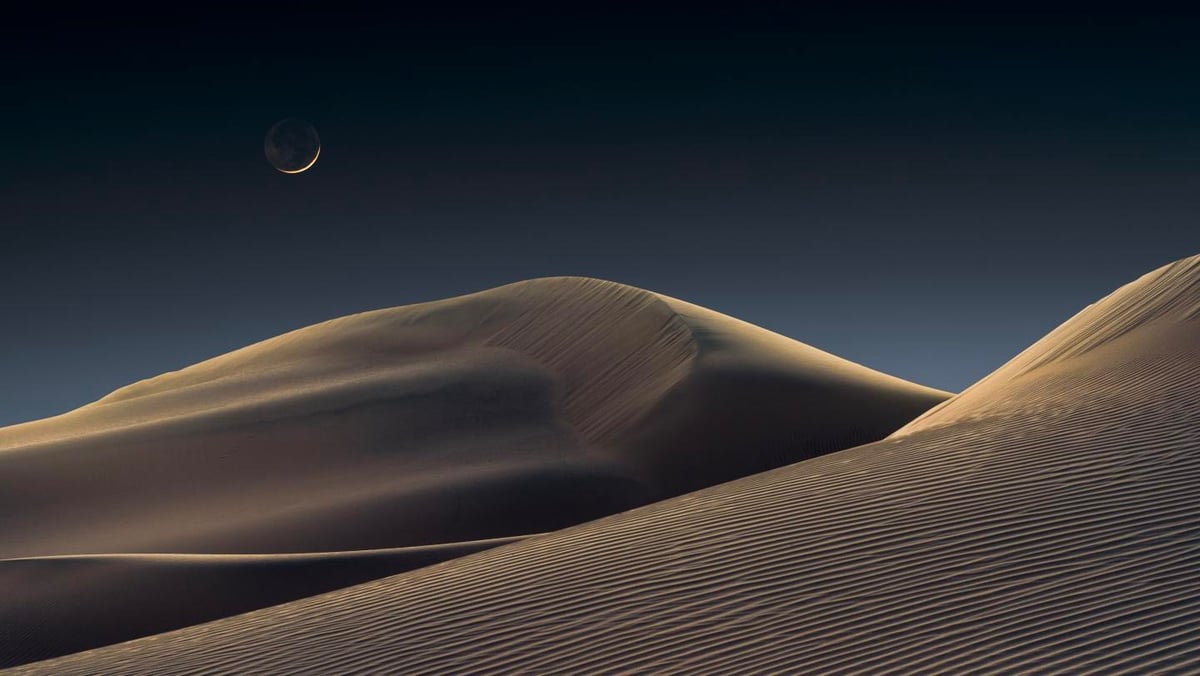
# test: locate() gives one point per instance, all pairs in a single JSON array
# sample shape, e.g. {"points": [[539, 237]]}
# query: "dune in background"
{"points": [[1044, 520], [518, 410]]}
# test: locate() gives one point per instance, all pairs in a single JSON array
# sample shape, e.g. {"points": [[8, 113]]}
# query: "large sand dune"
{"points": [[1045, 520], [519, 410]]}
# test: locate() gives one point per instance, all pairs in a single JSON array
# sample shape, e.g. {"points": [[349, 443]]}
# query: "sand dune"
{"points": [[63, 604], [1045, 520], [523, 409], [586, 394]]}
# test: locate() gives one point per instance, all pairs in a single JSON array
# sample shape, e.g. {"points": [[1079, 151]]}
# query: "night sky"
{"points": [[925, 192]]}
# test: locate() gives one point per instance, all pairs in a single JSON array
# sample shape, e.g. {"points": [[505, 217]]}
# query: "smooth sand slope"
{"points": [[519, 410], [1045, 520]]}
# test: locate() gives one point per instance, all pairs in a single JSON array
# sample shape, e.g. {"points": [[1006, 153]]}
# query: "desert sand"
{"points": [[382, 442], [1043, 520]]}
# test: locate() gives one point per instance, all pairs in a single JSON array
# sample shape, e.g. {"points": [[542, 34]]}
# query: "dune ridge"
{"points": [[1042, 521], [522, 409], [566, 335]]}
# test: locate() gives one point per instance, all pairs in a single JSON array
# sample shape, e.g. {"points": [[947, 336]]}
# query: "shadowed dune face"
{"points": [[57, 605], [1043, 521], [524, 409]]}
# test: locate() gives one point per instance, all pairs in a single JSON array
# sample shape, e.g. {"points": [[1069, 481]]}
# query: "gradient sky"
{"points": [[923, 191]]}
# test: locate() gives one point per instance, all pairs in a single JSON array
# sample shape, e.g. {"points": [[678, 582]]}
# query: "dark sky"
{"points": [[925, 191]]}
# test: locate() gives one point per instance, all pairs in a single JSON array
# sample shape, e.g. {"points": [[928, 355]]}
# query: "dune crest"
{"points": [[1043, 521]]}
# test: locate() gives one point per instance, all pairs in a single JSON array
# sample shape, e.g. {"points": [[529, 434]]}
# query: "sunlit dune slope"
{"points": [[1046, 520]]}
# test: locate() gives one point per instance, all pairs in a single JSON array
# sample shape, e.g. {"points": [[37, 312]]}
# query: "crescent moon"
{"points": [[305, 167], [292, 146]]}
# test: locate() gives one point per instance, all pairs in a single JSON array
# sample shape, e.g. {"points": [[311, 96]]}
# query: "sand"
{"points": [[375, 443], [1044, 520], [63, 604]]}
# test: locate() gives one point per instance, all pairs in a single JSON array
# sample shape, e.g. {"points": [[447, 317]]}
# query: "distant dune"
{"points": [[519, 410], [1044, 520]]}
